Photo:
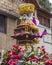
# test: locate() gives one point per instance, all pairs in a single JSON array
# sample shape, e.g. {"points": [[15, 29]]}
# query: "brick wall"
{"points": [[10, 6]]}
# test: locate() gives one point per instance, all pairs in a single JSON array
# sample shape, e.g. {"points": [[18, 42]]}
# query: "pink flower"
{"points": [[13, 51], [42, 46], [45, 56], [37, 60], [43, 49], [11, 62], [48, 62], [20, 49], [32, 57], [9, 55], [17, 56], [44, 52]]}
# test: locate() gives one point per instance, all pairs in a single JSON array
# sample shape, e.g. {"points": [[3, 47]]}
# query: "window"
{"points": [[2, 24], [0, 55], [47, 22], [40, 19], [18, 21], [44, 21]]}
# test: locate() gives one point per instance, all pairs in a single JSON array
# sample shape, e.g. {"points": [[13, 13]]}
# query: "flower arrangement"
{"points": [[35, 57], [26, 8], [18, 56]]}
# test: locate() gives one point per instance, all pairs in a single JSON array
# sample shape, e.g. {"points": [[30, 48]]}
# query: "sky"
{"points": [[50, 1]]}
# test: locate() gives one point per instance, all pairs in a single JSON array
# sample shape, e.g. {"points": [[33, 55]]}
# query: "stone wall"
{"points": [[10, 6], [11, 25], [6, 41], [45, 40], [51, 27]]}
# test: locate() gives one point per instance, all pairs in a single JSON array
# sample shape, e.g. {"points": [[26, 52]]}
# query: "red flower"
{"points": [[17, 56], [27, 59], [43, 49], [42, 46], [8, 51], [11, 62], [15, 46], [48, 62], [38, 47], [9, 55], [44, 52], [32, 57]]}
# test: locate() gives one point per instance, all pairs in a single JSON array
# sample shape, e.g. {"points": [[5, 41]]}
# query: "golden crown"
{"points": [[26, 8]]}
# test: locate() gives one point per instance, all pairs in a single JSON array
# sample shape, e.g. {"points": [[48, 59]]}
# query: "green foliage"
{"points": [[45, 4]]}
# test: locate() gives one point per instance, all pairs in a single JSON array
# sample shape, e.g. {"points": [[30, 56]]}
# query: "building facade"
{"points": [[8, 22], [45, 20], [9, 19]]}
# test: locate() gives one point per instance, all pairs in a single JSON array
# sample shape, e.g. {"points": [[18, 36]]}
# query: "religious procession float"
{"points": [[27, 34]]}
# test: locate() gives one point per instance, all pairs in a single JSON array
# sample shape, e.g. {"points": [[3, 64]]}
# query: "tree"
{"points": [[45, 4]]}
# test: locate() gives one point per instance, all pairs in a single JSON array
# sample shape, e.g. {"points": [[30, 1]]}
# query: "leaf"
{"points": [[4, 57], [32, 53], [32, 48]]}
